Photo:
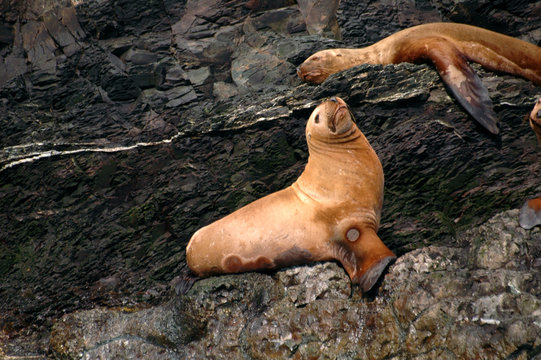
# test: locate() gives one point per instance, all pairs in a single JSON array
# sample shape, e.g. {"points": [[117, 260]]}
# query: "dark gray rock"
{"points": [[39, 46], [127, 125], [6, 35], [320, 17], [435, 302], [61, 35]]}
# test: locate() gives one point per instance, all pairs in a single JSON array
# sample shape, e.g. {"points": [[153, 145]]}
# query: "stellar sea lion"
{"points": [[530, 212], [448, 46], [331, 212]]}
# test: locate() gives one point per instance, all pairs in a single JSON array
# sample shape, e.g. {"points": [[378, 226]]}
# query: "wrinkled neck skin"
{"points": [[372, 54], [337, 165], [378, 53], [326, 62]]}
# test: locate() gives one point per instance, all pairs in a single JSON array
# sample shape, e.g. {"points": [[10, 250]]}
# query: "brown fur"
{"points": [[447, 46], [340, 189]]}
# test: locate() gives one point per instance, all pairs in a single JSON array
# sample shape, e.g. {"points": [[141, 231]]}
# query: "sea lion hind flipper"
{"points": [[183, 283], [463, 82], [530, 213]]}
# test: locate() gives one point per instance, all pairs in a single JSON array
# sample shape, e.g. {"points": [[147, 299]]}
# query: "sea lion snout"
{"points": [[535, 115], [314, 69]]}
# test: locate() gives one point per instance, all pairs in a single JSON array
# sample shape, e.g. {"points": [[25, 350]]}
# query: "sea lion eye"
{"points": [[316, 119]]}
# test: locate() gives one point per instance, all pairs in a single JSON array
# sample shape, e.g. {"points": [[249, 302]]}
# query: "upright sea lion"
{"points": [[530, 212], [448, 46], [331, 212]]}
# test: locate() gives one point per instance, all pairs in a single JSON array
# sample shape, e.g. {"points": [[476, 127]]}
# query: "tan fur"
{"points": [[492, 50], [331, 212], [448, 46]]}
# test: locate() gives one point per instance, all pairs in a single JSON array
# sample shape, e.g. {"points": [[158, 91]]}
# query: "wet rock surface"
{"points": [[436, 302], [127, 125]]}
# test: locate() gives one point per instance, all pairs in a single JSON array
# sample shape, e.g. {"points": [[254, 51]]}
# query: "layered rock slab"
{"points": [[437, 302]]}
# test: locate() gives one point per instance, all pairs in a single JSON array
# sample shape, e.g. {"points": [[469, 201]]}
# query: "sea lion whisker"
{"points": [[343, 254]]}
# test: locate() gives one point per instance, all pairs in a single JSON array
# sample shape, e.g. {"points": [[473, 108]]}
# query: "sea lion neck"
{"points": [[341, 160], [373, 54], [351, 139]]}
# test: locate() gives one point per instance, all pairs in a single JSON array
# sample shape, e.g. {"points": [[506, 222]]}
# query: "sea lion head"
{"points": [[535, 120], [331, 121], [320, 65]]}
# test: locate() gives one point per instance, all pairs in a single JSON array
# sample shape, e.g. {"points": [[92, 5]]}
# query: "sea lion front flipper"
{"points": [[364, 256], [463, 82], [530, 213], [371, 276]]}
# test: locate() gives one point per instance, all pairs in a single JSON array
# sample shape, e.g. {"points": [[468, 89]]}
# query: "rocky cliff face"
{"points": [[480, 300], [127, 125]]}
